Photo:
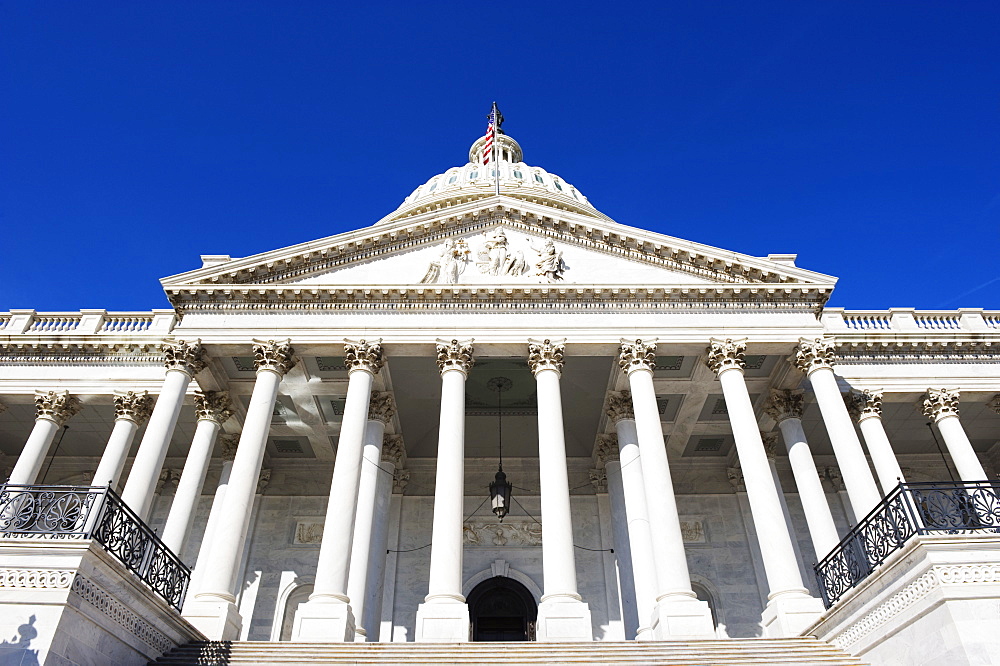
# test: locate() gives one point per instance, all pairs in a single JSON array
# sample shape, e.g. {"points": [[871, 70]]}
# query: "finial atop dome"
{"points": [[495, 145]]}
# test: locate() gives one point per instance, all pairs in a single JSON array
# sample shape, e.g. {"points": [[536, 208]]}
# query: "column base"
{"points": [[442, 623], [682, 618], [562, 619], [218, 619], [360, 636], [788, 615], [325, 621]]}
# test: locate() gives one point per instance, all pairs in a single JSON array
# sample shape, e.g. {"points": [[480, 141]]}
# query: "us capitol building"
{"points": [[497, 414]]}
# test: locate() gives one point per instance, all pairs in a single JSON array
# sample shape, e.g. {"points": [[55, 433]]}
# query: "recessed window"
{"points": [[518, 175], [558, 186], [452, 179], [473, 175], [432, 187], [539, 179]]}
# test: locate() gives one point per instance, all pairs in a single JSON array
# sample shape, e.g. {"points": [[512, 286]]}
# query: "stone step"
{"points": [[735, 652]]}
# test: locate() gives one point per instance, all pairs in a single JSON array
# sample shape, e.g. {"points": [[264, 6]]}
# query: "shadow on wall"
{"points": [[16, 652]]}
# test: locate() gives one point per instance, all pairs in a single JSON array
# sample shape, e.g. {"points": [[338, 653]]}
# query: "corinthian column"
{"points": [[941, 406], [132, 409], [381, 409], [789, 608], [785, 407], [52, 410], [183, 361], [562, 614], [444, 615], [228, 445], [643, 565], [213, 609], [213, 409], [328, 615], [866, 408], [679, 614], [815, 358]]}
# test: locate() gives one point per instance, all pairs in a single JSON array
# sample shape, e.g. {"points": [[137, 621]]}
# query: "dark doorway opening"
{"points": [[501, 609]]}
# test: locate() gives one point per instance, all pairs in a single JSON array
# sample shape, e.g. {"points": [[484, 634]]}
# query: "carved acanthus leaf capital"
{"points": [[735, 476], [263, 479], [814, 354], [455, 355], [605, 449], [599, 479], [994, 403], [726, 354], [393, 450], [940, 403], [168, 479], [400, 478], [637, 355], [213, 406], [864, 404], [188, 357], [56, 406], [363, 355], [381, 407], [134, 406], [273, 356], [546, 354], [620, 406], [229, 443], [770, 440], [784, 404]]}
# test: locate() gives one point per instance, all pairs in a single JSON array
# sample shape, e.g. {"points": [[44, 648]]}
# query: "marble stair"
{"points": [[805, 651]]}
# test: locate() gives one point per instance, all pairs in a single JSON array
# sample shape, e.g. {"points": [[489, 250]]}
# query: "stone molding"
{"points": [[213, 406], [36, 579], [864, 404], [937, 576], [131, 621], [56, 406], [940, 403], [229, 444], [92, 353], [455, 355], [785, 404], [915, 350], [546, 354], [273, 356], [514, 531], [186, 357], [363, 355], [726, 354], [134, 406], [393, 450], [619, 406], [814, 353], [605, 449], [381, 407], [637, 355]]}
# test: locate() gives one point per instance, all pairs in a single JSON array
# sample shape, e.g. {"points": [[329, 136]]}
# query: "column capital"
{"points": [[393, 450], [605, 450], [381, 407], [735, 476], [726, 354], [940, 403], [785, 404], [455, 355], [56, 406], [865, 404], [263, 479], [229, 444], [546, 354], [400, 477], [994, 404], [814, 354], [770, 440], [134, 406], [275, 356], [619, 406], [187, 357], [168, 478], [213, 406], [637, 355], [599, 479], [363, 355]]}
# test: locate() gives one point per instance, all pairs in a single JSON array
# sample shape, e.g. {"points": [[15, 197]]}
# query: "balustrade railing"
{"points": [[54, 323], [911, 508], [98, 513], [126, 323]]}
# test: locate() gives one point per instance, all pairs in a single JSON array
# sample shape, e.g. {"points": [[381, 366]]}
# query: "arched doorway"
{"points": [[502, 609]]}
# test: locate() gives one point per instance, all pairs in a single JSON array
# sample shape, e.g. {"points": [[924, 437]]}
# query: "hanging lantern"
{"points": [[500, 489]]}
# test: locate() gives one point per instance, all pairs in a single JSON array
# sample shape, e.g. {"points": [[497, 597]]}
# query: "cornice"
{"points": [[911, 350], [307, 259], [29, 352]]}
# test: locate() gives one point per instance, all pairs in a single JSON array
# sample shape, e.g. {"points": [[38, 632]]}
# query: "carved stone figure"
{"points": [[497, 258], [449, 265], [550, 264]]}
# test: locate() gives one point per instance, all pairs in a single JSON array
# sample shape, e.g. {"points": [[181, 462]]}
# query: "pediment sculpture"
{"points": [[496, 256]]}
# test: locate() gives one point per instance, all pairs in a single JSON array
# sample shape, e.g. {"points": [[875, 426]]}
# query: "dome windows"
{"points": [[453, 179], [518, 175], [473, 175], [539, 178]]}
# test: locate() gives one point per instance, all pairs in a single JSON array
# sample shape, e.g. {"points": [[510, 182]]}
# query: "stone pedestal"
{"points": [[563, 620], [679, 617], [441, 622], [321, 621]]}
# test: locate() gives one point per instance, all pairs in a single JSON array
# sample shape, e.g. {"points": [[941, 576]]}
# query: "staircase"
{"points": [[805, 651]]}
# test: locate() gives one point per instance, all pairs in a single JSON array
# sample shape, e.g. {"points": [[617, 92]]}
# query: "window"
{"points": [[558, 186], [452, 179], [473, 175], [518, 175], [539, 178]]}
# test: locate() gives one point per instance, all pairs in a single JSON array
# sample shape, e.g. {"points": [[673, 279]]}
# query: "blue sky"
{"points": [[864, 136]]}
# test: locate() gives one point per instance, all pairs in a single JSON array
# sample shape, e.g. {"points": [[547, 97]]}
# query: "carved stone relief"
{"points": [[511, 532], [498, 256]]}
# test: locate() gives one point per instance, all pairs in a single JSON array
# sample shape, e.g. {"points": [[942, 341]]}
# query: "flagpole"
{"points": [[496, 140]]}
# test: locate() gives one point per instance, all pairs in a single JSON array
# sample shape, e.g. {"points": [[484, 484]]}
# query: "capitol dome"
{"points": [[477, 180]]}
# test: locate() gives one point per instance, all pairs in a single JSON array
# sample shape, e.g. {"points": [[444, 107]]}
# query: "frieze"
{"points": [[512, 532], [308, 532], [36, 579]]}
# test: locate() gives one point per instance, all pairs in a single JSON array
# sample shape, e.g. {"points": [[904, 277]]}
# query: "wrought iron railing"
{"points": [[98, 513], [911, 508]]}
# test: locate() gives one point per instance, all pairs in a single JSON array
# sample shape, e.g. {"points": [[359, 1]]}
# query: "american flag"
{"points": [[490, 132]]}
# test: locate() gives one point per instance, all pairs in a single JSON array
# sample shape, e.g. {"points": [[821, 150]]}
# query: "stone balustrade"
{"points": [[908, 320], [87, 322]]}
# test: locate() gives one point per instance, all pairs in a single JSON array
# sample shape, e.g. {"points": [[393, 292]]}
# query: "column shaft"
{"points": [[115, 453], [960, 449], [141, 483], [175, 532], [886, 465], [211, 527], [29, 463], [623, 553], [371, 617], [364, 522], [822, 529]]}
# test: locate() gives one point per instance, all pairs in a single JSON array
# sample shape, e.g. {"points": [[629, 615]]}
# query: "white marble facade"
{"points": [[667, 389]]}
